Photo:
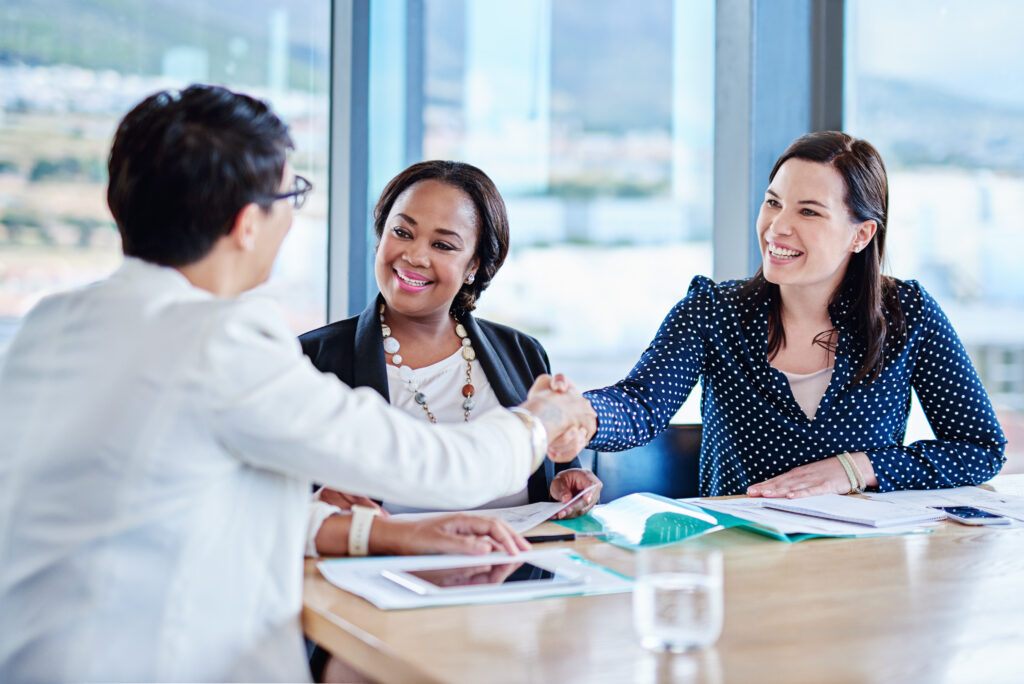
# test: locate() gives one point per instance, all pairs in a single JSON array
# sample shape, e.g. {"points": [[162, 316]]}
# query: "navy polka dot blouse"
{"points": [[753, 427]]}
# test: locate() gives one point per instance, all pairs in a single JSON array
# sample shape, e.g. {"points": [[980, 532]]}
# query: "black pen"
{"points": [[540, 538]]}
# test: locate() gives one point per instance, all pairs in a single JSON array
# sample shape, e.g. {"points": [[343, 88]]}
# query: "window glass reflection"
{"points": [[937, 88], [70, 70], [595, 122]]}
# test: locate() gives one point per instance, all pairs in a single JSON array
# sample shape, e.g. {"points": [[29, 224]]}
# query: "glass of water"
{"points": [[677, 599]]}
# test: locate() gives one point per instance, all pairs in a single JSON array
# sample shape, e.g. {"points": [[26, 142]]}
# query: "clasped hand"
{"points": [[568, 417]]}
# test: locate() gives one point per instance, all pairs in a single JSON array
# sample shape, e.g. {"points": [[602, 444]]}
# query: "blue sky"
{"points": [[968, 47]]}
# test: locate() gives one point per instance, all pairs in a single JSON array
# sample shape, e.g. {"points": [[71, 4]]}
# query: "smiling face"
{"points": [[806, 232], [427, 249]]}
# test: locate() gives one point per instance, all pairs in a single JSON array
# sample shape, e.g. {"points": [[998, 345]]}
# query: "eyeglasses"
{"points": [[298, 193]]}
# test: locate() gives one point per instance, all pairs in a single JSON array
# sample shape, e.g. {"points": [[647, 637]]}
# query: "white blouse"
{"points": [[442, 383]]}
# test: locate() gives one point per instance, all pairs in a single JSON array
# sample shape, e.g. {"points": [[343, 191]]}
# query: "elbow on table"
{"points": [[991, 459]]}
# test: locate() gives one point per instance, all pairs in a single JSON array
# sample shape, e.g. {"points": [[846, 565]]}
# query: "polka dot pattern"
{"points": [[753, 427]]}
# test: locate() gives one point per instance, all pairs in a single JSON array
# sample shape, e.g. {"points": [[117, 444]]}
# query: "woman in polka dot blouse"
{"points": [[806, 368]]}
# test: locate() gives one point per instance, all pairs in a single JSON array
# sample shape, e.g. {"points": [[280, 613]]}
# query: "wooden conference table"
{"points": [[947, 606]]}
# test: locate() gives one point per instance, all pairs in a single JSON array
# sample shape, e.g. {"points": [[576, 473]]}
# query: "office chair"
{"points": [[668, 465]]}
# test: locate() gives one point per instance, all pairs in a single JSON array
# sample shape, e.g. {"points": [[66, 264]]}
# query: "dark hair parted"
{"points": [[183, 164], [492, 226], [871, 294]]}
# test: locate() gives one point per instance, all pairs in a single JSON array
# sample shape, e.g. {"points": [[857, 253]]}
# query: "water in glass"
{"points": [[675, 611]]}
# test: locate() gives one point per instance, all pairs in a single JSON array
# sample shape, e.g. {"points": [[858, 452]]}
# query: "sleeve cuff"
{"points": [[318, 512]]}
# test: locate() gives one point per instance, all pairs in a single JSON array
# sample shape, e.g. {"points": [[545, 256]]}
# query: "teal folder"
{"points": [[643, 520]]}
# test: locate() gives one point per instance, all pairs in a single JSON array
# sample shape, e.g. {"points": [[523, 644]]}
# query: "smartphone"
{"points": [[507, 575], [969, 515]]}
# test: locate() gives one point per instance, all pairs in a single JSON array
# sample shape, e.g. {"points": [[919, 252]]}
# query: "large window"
{"points": [[69, 70], [937, 88], [595, 121]]}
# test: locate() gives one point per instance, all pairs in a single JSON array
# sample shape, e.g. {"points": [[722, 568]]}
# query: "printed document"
{"points": [[519, 518]]}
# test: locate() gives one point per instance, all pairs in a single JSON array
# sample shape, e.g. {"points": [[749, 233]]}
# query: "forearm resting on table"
{"points": [[332, 538]]}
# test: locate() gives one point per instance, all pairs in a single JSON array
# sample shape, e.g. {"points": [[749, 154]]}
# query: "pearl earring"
{"points": [[470, 278]]}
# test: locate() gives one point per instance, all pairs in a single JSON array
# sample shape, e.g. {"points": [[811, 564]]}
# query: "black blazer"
{"points": [[352, 349]]}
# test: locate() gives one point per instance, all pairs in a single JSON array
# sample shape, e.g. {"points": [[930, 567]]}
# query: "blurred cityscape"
{"points": [[594, 120]]}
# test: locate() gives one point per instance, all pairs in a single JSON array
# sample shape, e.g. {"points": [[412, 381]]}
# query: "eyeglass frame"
{"points": [[298, 195]]}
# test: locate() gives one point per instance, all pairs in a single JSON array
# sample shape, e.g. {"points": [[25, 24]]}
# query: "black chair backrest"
{"points": [[668, 465]]}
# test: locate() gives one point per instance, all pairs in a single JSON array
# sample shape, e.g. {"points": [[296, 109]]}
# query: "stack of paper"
{"points": [[855, 510], [752, 514], [994, 502]]}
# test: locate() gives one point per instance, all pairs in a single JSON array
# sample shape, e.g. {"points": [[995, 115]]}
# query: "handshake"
{"points": [[567, 416]]}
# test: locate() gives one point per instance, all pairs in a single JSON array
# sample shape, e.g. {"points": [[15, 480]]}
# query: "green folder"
{"points": [[642, 520]]}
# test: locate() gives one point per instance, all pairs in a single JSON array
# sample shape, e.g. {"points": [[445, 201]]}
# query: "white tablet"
{"points": [[505, 575]]}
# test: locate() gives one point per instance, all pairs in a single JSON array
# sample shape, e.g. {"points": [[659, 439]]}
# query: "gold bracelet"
{"points": [[861, 484], [852, 473]]}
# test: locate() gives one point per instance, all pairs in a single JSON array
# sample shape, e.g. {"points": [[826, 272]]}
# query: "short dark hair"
{"points": [[492, 245], [184, 163], [871, 293]]}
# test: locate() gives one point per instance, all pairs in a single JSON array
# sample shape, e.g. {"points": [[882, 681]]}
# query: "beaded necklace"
{"points": [[405, 373]]}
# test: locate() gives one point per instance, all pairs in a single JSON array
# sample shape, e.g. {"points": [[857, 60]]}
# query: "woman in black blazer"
{"points": [[442, 233]]}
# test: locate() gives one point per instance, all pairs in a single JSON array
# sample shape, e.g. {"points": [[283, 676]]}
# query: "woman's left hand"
{"points": [[346, 501], [826, 476], [568, 484]]}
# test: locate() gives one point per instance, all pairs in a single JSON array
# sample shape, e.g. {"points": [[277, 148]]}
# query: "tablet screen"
{"points": [[476, 577], [499, 573]]}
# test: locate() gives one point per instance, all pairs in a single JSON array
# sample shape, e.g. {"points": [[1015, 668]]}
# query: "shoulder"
{"points": [[234, 341], [919, 308], [707, 301], [507, 336], [704, 290], [514, 349], [331, 335], [246, 321]]}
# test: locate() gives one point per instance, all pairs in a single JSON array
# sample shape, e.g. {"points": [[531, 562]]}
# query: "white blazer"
{"points": [[158, 445]]}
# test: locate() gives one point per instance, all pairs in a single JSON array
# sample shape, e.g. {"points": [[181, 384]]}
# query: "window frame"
{"points": [[778, 74]]}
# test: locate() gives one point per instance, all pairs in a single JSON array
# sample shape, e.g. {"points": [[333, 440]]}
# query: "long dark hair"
{"points": [[872, 295]]}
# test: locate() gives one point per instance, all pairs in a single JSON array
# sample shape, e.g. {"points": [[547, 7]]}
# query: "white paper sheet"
{"points": [[794, 523], [871, 512], [519, 518], [1001, 504], [362, 576]]}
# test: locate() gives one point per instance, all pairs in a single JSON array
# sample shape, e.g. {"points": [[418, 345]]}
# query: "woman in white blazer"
{"points": [[160, 434]]}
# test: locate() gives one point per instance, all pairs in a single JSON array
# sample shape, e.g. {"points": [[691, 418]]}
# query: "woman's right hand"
{"points": [[568, 417]]}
